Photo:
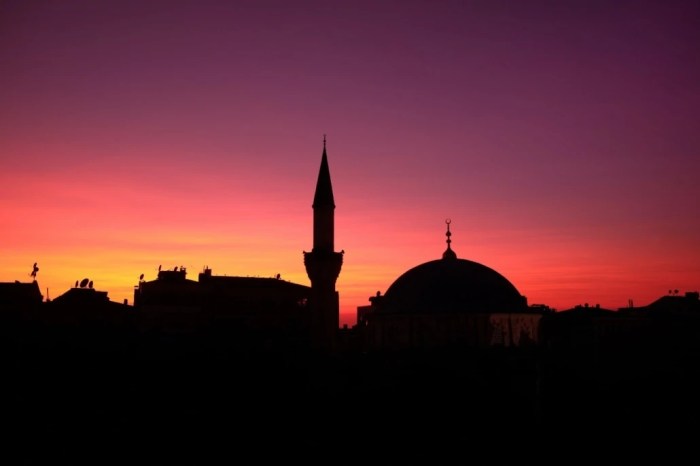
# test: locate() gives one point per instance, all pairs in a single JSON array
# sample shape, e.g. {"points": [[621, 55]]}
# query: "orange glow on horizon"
{"points": [[560, 278], [191, 136]]}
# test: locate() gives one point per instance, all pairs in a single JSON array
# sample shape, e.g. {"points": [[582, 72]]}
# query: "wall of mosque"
{"points": [[439, 330]]}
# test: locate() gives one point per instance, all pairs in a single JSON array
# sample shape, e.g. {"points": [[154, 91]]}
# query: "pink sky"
{"points": [[561, 138]]}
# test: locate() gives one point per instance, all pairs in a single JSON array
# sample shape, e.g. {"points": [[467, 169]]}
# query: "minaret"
{"points": [[323, 263]]}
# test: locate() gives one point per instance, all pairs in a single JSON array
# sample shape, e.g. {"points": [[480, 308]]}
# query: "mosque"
{"points": [[445, 303], [450, 356], [449, 302]]}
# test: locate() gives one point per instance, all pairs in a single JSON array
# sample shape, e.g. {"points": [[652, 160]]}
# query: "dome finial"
{"points": [[449, 253]]}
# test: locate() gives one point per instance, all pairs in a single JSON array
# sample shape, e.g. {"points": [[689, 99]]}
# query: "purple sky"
{"points": [[560, 137]]}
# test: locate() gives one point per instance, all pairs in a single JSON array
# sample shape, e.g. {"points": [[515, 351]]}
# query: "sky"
{"points": [[560, 137]]}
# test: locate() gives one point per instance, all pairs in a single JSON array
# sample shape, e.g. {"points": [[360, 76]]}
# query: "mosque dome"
{"points": [[452, 285]]}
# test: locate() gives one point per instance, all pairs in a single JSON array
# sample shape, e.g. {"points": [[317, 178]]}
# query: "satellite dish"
{"points": [[76, 283], [141, 277], [90, 284], [84, 282]]}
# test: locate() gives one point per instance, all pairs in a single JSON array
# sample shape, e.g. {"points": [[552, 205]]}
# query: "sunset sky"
{"points": [[561, 137]]}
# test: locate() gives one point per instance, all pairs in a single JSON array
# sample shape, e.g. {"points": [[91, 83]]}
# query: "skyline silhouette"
{"points": [[450, 358], [166, 153], [561, 139]]}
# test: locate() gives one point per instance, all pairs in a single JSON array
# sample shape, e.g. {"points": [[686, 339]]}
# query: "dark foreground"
{"points": [[177, 402]]}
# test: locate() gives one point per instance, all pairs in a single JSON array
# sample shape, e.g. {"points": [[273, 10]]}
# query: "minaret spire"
{"points": [[449, 253], [324, 187]]}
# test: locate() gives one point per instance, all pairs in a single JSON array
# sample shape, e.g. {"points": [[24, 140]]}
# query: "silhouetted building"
{"points": [[256, 312], [323, 263], [170, 304], [81, 318], [259, 312], [449, 302], [18, 302], [88, 307], [631, 368], [592, 332], [672, 322], [451, 353], [18, 295], [672, 303], [582, 326]]}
